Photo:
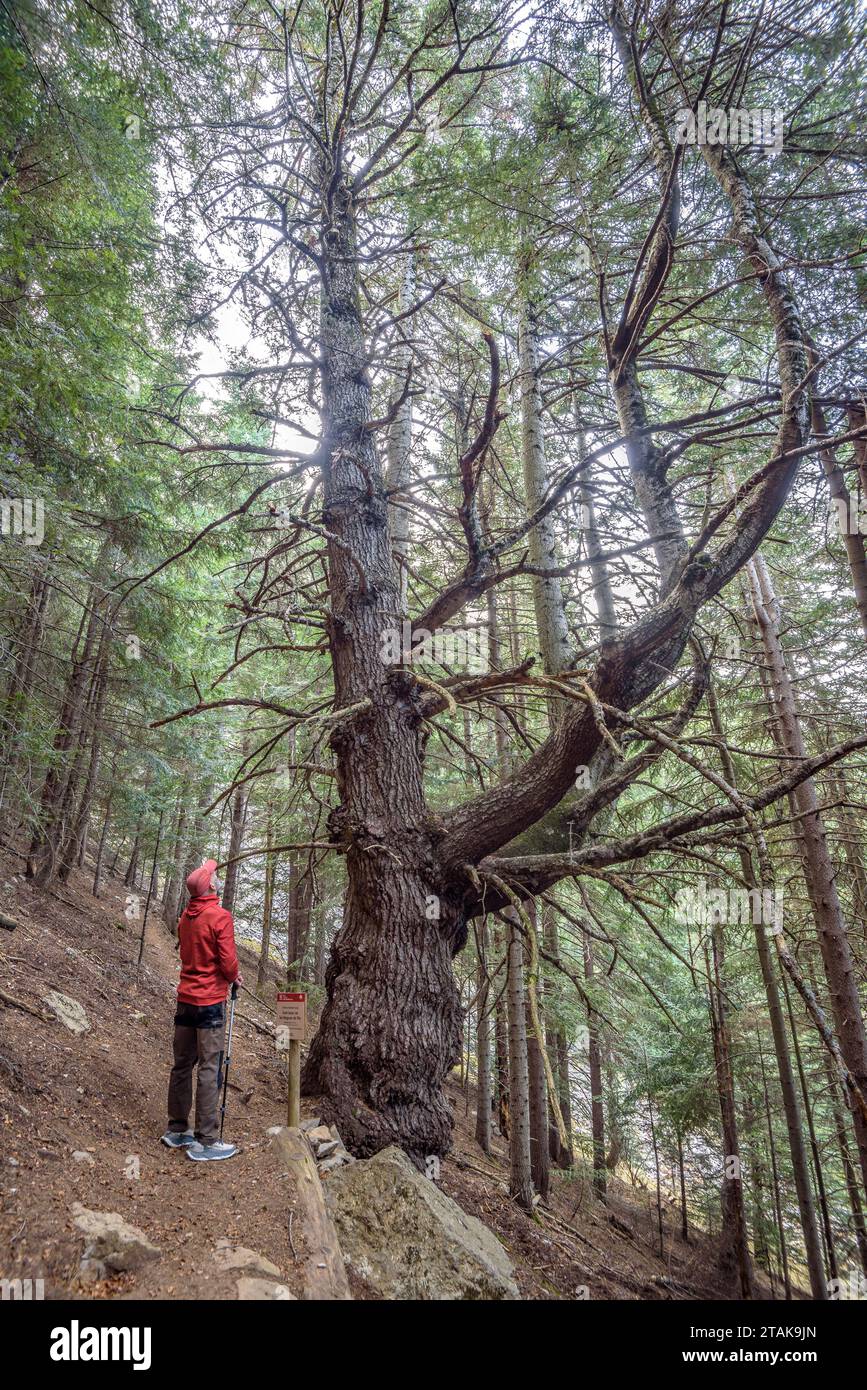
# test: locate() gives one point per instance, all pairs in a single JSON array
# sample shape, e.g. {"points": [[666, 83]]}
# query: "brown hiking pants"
{"points": [[199, 1040]]}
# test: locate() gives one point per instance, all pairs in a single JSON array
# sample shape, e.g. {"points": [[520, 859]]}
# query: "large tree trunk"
{"points": [[390, 1031]]}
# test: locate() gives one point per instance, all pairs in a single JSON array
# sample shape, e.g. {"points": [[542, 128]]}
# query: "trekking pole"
{"points": [[228, 1057]]}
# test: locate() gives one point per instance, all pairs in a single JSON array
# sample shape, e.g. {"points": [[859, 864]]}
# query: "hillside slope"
{"points": [[101, 1094]]}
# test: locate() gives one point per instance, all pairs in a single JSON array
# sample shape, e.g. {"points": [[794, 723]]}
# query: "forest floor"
{"points": [[102, 1093]]}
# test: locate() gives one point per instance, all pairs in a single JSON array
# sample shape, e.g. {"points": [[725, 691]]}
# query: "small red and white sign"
{"points": [[291, 1017]]}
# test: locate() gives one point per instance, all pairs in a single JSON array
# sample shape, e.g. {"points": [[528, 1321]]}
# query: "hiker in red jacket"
{"points": [[209, 964]]}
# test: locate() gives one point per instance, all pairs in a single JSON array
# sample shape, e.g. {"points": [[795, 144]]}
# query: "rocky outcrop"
{"points": [[328, 1148], [113, 1245], [263, 1289], [229, 1256], [408, 1240], [69, 1012]]}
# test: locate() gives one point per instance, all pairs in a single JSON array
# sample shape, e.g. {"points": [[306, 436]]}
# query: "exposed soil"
{"points": [[103, 1092]]}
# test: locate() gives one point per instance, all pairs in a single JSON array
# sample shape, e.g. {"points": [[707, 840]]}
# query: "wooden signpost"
{"points": [[291, 1023]]}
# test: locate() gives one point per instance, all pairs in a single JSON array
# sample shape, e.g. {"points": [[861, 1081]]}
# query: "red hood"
{"points": [[196, 906]]}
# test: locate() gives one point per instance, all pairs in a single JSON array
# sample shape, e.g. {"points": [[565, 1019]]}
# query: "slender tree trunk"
{"points": [[615, 1141], [520, 1169], [819, 872], [117, 854], [775, 1177], [814, 1143], [558, 1051], [501, 1040], [501, 736], [852, 843], [655, 1148], [483, 1042], [236, 844], [400, 443], [132, 866], [794, 1125], [42, 862], [100, 853], [551, 626], [267, 906], [174, 882], [540, 1162], [684, 1216], [760, 1225], [152, 887], [849, 1170], [319, 938], [841, 501], [300, 903], [597, 1102], [552, 629], [17, 778], [735, 1258], [567, 1156], [71, 847]]}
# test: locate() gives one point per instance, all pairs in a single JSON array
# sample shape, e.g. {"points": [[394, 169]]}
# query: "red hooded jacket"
{"points": [[209, 961]]}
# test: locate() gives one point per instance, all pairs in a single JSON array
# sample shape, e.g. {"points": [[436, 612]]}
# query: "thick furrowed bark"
{"points": [[391, 1029]]}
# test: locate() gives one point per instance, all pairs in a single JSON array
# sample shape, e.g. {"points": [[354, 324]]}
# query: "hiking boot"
{"points": [[207, 1153], [173, 1140]]}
